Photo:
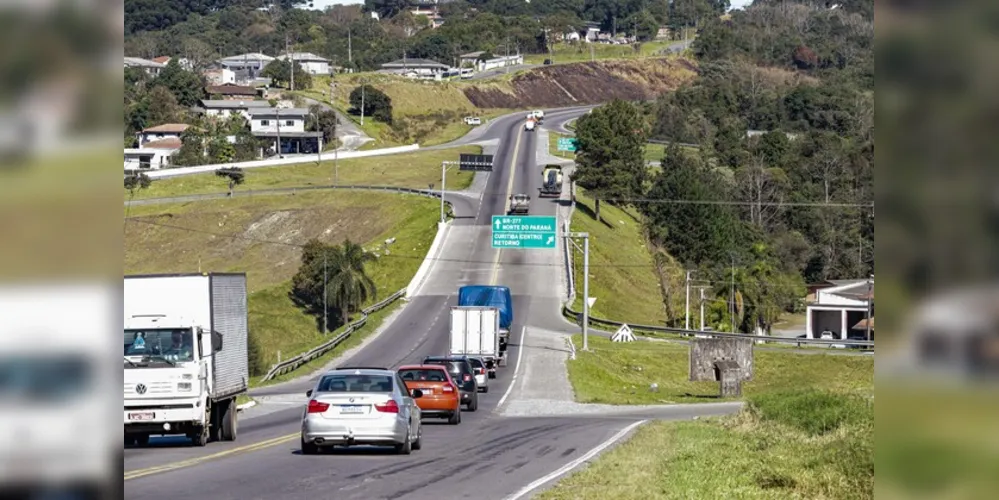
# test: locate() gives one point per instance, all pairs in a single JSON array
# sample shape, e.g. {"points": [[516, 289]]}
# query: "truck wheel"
{"points": [[200, 436], [141, 439], [492, 374], [229, 421]]}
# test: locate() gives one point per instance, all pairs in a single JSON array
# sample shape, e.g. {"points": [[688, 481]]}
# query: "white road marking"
{"points": [[575, 463], [516, 369]]}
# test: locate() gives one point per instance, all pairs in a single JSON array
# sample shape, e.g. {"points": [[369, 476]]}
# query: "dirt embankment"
{"points": [[586, 83]]}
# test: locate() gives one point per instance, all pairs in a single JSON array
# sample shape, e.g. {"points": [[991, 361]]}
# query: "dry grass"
{"points": [[260, 236], [580, 52], [415, 170]]}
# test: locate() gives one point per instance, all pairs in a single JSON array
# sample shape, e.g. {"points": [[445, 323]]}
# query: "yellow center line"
{"points": [[135, 474], [506, 205]]}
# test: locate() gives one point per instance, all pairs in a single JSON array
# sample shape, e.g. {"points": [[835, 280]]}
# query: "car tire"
{"points": [[485, 389], [309, 448], [455, 418], [418, 444], [474, 404], [406, 447], [492, 374], [142, 439]]}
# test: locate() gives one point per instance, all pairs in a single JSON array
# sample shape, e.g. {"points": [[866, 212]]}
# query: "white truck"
{"points": [[530, 125], [185, 355], [475, 332]]}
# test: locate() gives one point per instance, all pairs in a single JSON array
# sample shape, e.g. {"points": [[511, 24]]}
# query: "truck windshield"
{"points": [[170, 344]]}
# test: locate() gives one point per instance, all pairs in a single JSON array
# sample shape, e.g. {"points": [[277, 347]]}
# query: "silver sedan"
{"points": [[361, 406]]}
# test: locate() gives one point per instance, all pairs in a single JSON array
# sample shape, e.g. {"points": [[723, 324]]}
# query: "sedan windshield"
{"points": [[355, 383]]}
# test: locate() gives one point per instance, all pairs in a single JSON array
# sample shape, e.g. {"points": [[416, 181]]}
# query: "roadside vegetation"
{"points": [[799, 444], [418, 170], [264, 236], [581, 52], [622, 373]]}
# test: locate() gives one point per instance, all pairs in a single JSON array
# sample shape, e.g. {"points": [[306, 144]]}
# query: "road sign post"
{"points": [[526, 232], [586, 281], [569, 144]]}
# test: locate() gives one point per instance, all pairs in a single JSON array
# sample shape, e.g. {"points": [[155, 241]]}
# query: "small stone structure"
{"points": [[728, 361]]}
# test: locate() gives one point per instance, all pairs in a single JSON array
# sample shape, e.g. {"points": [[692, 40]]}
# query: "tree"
{"points": [[280, 71], [135, 182], [234, 175], [375, 103], [334, 276], [386, 9], [187, 87], [322, 120], [610, 154], [161, 106]]}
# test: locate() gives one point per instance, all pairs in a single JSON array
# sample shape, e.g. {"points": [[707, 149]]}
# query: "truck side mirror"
{"points": [[216, 341]]}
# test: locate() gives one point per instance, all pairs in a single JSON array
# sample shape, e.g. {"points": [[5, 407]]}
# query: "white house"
{"points": [[153, 68], [309, 62], [286, 125], [417, 68], [226, 108], [164, 131], [152, 155], [841, 309], [472, 59], [251, 63], [220, 76]]}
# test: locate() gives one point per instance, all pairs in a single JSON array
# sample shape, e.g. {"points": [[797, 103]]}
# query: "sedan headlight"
{"points": [[184, 386]]}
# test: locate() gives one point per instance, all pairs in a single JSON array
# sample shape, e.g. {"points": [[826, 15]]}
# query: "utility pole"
{"points": [[350, 49], [291, 63], [277, 112], [686, 324], [732, 299], [325, 301], [586, 283], [362, 102], [702, 308], [870, 305]]}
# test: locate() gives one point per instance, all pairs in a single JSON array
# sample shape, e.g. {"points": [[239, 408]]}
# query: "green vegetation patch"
{"points": [[744, 456], [621, 373]]}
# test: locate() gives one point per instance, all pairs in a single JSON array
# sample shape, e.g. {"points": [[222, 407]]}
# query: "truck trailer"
{"points": [[475, 332], [491, 296], [185, 355]]}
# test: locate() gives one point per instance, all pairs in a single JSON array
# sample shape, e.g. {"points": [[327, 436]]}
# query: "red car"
{"points": [[441, 398]]}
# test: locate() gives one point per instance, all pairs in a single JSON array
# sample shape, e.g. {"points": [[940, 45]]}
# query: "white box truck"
{"points": [[475, 332], [185, 355]]}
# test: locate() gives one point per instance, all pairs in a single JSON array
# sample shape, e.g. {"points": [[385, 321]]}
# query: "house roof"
{"points": [[251, 56], [472, 54], [279, 112], [862, 290], [162, 59], [303, 56], [414, 63], [140, 62], [230, 89], [217, 104], [176, 128], [168, 143]]}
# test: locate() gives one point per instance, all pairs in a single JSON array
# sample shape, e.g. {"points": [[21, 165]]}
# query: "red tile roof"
{"points": [[175, 128], [162, 59]]}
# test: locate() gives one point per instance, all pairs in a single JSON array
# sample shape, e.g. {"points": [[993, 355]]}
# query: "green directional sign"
{"points": [[567, 144], [529, 231]]}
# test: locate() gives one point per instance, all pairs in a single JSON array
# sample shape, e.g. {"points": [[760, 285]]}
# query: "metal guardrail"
{"points": [[291, 364], [576, 315]]}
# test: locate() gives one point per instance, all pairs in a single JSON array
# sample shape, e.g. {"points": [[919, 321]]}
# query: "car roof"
{"points": [[421, 367], [360, 371]]}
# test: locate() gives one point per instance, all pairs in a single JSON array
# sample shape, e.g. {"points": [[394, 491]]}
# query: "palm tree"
{"points": [[348, 284]]}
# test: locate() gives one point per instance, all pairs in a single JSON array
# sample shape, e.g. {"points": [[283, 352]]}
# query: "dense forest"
{"points": [[787, 205], [203, 30]]}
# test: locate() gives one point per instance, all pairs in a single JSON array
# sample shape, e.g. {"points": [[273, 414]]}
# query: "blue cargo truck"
{"points": [[491, 296]]}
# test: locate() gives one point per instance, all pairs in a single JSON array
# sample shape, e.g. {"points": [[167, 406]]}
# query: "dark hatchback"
{"points": [[463, 374]]}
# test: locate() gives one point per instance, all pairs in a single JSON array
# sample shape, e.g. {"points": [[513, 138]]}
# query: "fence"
{"points": [[291, 190], [316, 352]]}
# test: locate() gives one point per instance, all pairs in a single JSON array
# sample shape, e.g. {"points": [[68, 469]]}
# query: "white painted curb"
{"points": [[428, 261], [248, 404], [177, 172]]}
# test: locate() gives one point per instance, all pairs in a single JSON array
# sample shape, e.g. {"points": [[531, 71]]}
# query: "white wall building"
{"points": [[839, 309], [153, 68], [220, 76], [288, 124], [153, 155], [165, 131], [309, 62], [224, 109], [253, 62]]}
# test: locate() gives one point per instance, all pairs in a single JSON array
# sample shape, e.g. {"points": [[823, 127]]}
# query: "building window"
{"points": [[265, 123], [289, 123]]}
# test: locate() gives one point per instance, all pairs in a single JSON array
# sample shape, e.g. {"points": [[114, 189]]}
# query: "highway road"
{"points": [[487, 456]]}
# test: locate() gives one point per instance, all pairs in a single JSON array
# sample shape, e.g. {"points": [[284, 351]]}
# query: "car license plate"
{"points": [[141, 416], [351, 409]]}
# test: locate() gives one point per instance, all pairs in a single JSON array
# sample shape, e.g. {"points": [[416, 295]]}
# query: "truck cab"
{"points": [[520, 204], [530, 125], [168, 365]]}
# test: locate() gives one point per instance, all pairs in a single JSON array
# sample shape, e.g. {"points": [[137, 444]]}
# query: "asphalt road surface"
{"points": [[486, 456]]}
